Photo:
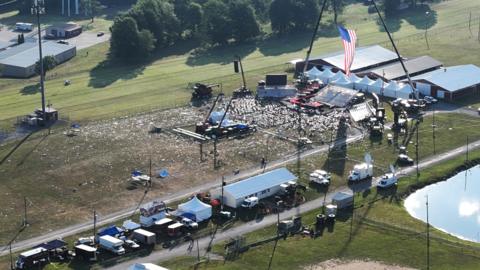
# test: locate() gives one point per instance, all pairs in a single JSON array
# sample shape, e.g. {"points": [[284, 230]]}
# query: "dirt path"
{"points": [[336, 264]]}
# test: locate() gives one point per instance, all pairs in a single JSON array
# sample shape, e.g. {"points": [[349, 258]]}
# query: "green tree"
{"points": [[281, 16], [91, 8], [337, 7], [216, 22], [189, 14], [261, 9], [158, 17], [49, 63], [390, 7], [243, 21], [127, 42], [308, 10]]}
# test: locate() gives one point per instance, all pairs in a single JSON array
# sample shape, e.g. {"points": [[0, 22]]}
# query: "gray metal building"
{"points": [[19, 61]]}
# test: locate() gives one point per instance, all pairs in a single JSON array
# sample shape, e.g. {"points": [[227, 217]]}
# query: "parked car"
{"points": [[89, 241], [131, 244], [99, 34], [430, 100], [320, 177], [189, 223], [387, 180], [404, 160]]}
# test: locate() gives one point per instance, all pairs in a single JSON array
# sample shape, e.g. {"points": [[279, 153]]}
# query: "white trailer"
{"points": [[260, 186], [112, 244], [144, 237], [85, 252], [21, 26], [362, 171]]}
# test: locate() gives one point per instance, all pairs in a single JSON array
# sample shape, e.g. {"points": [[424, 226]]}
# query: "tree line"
{"points": [[155, 24]]}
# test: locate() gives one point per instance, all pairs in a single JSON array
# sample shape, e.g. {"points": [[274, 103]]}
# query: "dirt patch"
{"points": [[336, 264]]}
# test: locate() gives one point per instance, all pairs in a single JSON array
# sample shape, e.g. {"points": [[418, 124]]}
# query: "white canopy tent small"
{"points": [[376, 86], [338, 76], [404, 91], [364, 84], [326, 76], [314, 73], [200, 210], [390, 89], [343, 81]]}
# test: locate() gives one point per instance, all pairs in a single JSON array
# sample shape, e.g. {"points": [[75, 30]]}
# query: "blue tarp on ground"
{"points": [[163, 173]]}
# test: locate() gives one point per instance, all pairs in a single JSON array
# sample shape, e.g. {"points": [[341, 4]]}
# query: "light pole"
{"points": [[37, 9], [427, 13]]}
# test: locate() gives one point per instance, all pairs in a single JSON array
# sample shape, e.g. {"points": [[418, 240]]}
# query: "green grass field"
{"points": [[103, 88]]}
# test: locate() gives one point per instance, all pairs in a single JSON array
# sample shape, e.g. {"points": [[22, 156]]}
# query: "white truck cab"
{"points": [[388, 179], [362, 171], [320, 177], [250, 202]]}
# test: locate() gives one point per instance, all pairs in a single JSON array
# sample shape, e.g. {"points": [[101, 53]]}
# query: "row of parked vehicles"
{"points": [[363, 171]]}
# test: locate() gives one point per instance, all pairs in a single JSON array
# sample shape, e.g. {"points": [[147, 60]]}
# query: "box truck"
{"points": [[112, 244]]}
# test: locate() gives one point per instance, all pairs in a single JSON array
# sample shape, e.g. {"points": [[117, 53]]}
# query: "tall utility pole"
{"points": [[25, 221], [400, 59], [221, 199], [433, 129], [426, 28], [416, 148], [428, 238], [467, 149], [94, 225], [38, 9]]}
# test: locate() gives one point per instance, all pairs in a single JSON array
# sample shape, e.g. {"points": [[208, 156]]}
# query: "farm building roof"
{"points": [[453, 78], [414, 66], [26, 54], [260, 182], [364, 57]]}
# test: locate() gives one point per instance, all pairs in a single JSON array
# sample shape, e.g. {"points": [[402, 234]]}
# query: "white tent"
{"points": [[404, 91], [376, 86], [338, 76], [200, 210], [390, 90], [343, 81], [363, 84], [314, 73], [354, 78], [326, 76]]}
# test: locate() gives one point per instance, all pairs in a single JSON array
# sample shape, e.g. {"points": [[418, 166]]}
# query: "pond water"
{"points": [[453, 205]]}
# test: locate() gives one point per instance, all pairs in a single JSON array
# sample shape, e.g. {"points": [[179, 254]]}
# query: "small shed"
{"points": [[64, 30], [196, 208]]}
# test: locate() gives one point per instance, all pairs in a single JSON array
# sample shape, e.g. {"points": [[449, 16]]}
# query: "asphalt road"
{"points": [[182, 250]]}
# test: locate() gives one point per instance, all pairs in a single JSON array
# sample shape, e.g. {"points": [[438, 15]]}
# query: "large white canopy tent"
{"points": [[326, 76], [200, 210], [404, 91], [314, 73], [376, 86], [390, 89], [343, 81], [363, 84]]}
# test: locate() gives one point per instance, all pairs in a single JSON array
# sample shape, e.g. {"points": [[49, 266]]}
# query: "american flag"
{"points": [[349, 39]]}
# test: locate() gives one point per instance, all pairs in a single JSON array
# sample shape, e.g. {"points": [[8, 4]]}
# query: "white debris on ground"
{"points": [[272, 114]]}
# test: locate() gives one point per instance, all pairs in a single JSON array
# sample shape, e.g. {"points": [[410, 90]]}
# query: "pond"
{"points": [[453, 205]]}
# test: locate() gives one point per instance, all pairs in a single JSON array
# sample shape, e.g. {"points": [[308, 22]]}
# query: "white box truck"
{"points": [[144, 237], [362, 171], [111, 244], [21, 26]]}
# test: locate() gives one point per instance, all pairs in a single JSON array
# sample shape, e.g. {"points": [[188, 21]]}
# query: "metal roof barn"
{"points": [[261, 186], [365, 58], [415, 66], [453, 78], [19, 61]]}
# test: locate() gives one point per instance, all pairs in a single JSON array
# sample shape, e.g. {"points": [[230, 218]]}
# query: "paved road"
{"points": [[111, 218], [182, 250]]}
